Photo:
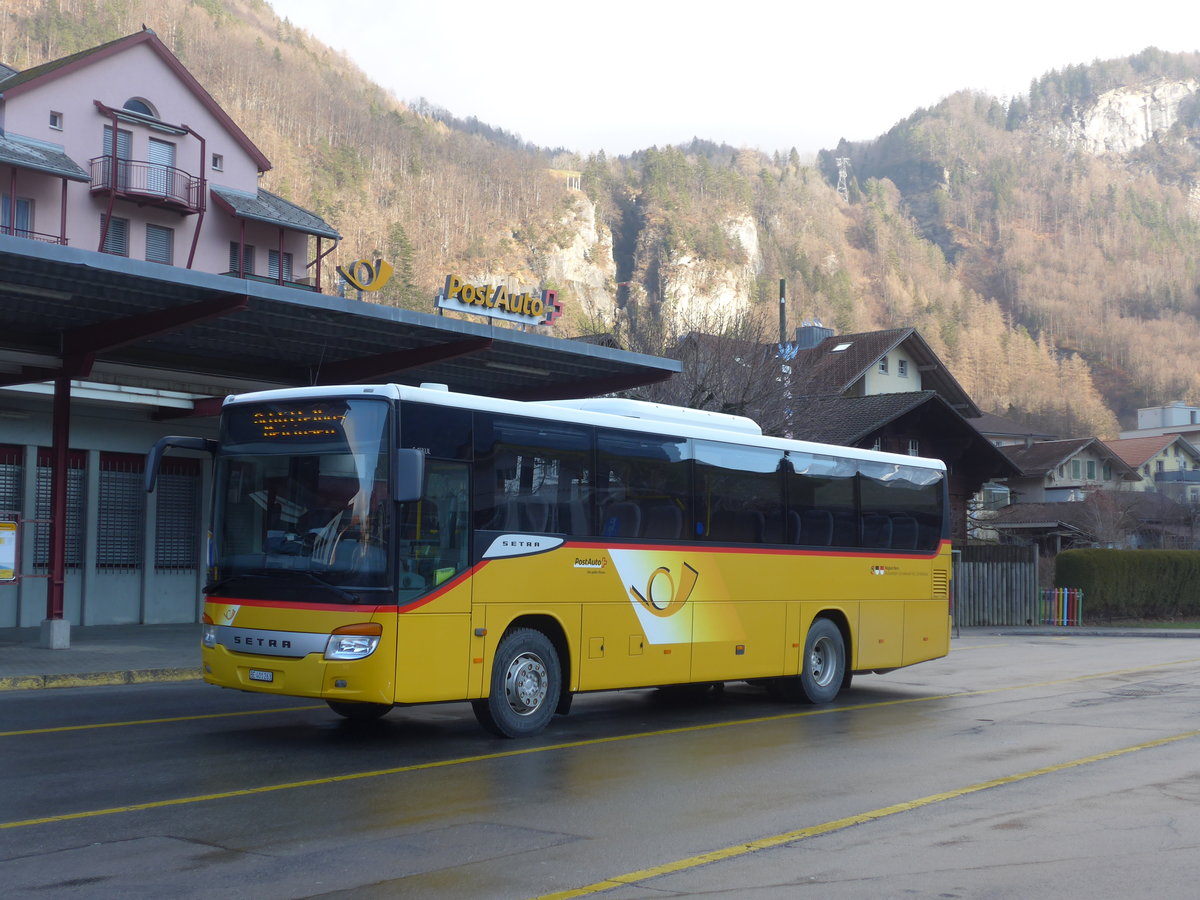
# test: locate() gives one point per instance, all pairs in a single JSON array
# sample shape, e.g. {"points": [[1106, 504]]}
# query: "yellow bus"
{"points": [[377, 546]]}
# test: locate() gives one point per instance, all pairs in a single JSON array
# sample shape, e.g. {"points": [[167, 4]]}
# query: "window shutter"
{"points": [[116, 240], [160, 244]]}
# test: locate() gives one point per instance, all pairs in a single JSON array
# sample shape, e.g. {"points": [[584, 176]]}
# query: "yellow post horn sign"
{"points": [[365, 275]]}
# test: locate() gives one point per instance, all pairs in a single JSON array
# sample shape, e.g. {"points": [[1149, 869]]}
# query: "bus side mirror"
{"points": [[154, 457], [409, 476]]}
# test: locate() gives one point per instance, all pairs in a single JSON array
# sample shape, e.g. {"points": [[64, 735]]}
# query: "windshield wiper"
{"points": [[346, 595], [224, 582], [342, 594]]}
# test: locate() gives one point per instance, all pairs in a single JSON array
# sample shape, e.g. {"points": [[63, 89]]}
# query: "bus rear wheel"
{"points": [[525, 688], [823, 667], [359, 712]]}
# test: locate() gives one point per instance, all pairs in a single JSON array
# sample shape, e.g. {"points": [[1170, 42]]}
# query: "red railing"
{"points": [[33, 235], [159, 184]]}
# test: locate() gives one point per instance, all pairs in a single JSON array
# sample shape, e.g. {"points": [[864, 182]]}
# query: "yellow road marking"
{"points": [[569, 745], [223, 715], [789, 837]]}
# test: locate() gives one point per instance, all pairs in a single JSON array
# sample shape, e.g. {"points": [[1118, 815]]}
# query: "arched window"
{"points": [[138, 105]]}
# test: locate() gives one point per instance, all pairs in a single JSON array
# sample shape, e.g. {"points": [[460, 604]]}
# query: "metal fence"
{"points": [[996, 585], [1061, 606]]}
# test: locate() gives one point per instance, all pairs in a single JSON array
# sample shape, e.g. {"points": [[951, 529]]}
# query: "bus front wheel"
{"points": [[525, 688]]}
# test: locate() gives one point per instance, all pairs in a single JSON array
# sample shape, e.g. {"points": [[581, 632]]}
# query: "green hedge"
{"points": [[1139, 584]]}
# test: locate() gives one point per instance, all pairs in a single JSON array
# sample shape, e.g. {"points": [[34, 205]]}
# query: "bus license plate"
{"points": [[261, 675]]}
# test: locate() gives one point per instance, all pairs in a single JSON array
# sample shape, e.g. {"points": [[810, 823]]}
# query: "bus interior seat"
{"points": [[743, 526], [791, 527], [622, 519], [534, 514], [662, 520], [876, 530], [818, 527], [572, 518], [845, 528], [904, 532]]}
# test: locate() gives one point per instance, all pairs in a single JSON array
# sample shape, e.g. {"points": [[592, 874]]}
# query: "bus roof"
{"points": [[606, 412]]}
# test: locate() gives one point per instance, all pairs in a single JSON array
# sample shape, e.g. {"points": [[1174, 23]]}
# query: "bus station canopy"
{"points": [[66, 312]]}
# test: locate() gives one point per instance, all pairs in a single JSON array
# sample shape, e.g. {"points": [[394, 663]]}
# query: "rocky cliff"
{"points": [[1124, 120]]}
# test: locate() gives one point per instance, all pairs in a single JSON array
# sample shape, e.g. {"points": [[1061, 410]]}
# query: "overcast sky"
{"points": [[623, 75]]}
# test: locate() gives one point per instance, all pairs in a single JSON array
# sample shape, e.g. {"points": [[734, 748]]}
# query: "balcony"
{"points": [[32, 235], [148, 183], [1188, 477], [305, 285]]}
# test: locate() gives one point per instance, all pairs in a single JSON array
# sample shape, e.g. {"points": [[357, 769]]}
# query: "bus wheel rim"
{"points": [[821, 661], [526, 684]]}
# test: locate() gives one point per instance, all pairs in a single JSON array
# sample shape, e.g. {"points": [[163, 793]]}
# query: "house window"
{"points": [[22, 226], [139, 105], [1091, 470], [902, 368], [56, 120], [1076, 469], [914, 447], [1108, 471], [273, 265], [116, 239], [877, 444], [160, 244], [883, 365], [236, 260], [1159, 465], [1146, 470], [218, 162]]}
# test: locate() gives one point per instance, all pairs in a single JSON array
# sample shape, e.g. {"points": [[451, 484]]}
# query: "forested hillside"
{"points": [[1096, 250], [1039, 272]]}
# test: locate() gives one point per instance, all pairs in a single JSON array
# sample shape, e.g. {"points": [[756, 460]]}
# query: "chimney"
{"points": [[809, 334]]}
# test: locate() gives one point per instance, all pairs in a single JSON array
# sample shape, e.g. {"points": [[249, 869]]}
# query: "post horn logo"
{"points": [[672, 601], [364, 275]]}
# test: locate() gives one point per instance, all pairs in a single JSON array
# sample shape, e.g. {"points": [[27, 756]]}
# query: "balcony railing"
{"points": [[33, 235], [148, 182], [267, 279], [1188, 477]]}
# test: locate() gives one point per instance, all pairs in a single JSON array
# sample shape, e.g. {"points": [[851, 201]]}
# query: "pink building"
{"points": [[119, 149]]}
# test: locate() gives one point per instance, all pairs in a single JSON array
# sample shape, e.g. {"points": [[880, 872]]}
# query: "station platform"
{"points": [[100, 655]]}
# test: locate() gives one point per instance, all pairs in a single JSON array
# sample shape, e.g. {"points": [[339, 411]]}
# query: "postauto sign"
{"points": [[498, 302]]}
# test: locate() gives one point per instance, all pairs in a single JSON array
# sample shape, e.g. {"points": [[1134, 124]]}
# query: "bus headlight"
{"points": [[208, 631], [354, 641]]}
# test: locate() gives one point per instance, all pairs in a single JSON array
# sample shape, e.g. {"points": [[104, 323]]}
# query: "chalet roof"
{"points": [[1144, 506], [835, 364], [20, 82], [845, 421], [1037, 516], [1138, 451], [1045, 456], [26, 154], [273, 209], [1001, 426]]}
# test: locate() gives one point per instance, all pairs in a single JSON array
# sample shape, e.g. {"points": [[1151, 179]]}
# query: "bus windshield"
{"points": [[302, 505]]}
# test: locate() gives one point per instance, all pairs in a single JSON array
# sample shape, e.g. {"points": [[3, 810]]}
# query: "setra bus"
{"points": [[375, 546]]}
